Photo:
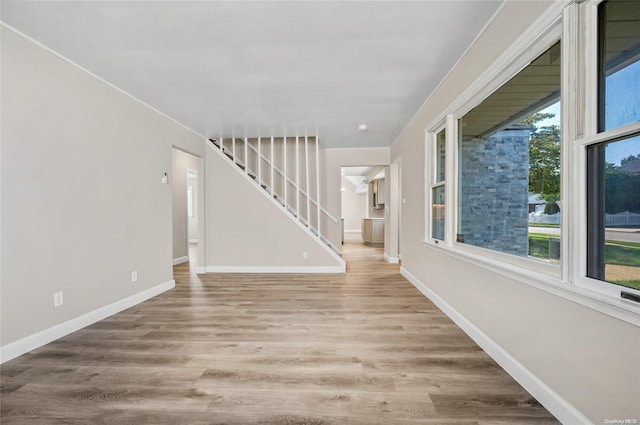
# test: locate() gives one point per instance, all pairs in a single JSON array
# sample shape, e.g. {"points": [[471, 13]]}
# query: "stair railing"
{"points": [[274, 170]]}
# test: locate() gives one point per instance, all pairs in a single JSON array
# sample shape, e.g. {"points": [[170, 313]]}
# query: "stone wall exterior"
{"points": [[494, 180]]}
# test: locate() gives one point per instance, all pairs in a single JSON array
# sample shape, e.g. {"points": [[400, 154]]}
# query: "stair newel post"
{"points": [[284, 149], [259, 162], [306, 172], [297, 176], [272, 158], [318, 182]]}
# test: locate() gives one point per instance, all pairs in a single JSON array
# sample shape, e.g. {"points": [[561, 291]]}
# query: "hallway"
{"points": [[362, 348]]}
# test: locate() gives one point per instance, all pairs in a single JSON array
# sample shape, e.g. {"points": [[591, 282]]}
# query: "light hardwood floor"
{"points": [[362, 348]]}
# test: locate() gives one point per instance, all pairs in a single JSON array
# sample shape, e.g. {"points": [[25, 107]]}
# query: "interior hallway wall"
{"points": [[83, 203]]}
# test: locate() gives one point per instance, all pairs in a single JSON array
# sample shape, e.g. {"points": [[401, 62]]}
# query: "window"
{"points": [[438, 188], [509, 165], [613, 160], [509, 154]]}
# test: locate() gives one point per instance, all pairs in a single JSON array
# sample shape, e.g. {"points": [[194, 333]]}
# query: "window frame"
{"points": [[431, 182], [589, 111], [514, 263], [575, 25]]}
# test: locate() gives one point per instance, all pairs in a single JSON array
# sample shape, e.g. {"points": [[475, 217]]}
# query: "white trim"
{"points": [[102, 80], [38, 339], [626, 131], [180, 260], [201, 270], [551, 400], [194, 240], [451, 175], [276, 269], [391, 260]]}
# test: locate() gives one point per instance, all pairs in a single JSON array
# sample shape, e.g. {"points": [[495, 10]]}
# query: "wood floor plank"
{"points": [[361, 348]]}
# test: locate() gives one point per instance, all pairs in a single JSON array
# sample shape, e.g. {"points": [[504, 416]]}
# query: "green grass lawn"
{"points": [[622, 255], [539, 245], [615, 252]]}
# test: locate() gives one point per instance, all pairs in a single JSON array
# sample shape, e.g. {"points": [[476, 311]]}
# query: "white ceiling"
{"points": [[257, 67]]}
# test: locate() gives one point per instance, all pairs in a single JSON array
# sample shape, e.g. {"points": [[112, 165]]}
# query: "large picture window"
{"points": [[613, 163], [509, 165]]}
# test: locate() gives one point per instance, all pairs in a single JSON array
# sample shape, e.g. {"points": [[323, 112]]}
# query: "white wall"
{"points": [[391, 213], [192, 221], [354, 206], [582, 359], [83, 204]]}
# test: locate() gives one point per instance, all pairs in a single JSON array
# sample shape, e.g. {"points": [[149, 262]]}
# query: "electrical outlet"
{"points": [[134, 275], [58, 299], [305, 255]]}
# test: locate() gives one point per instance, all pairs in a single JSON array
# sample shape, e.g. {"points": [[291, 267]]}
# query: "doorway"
{"points": [[363, 197], [185, 206]]}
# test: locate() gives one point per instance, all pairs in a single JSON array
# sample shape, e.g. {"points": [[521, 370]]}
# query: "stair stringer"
{"points": [[249, 231]]}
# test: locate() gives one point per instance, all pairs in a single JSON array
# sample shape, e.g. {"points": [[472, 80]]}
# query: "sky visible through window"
{"points": [[626, 110]]}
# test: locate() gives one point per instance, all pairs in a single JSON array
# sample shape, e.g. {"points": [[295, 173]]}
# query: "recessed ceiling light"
{"points": [[363, 127]]}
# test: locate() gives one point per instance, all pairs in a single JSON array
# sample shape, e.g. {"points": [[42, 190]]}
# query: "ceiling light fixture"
{"points": [[363, 128]]}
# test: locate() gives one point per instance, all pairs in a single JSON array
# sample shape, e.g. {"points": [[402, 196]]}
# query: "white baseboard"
{"points": [[201, 270], [564, 411], [31, 342], [276, 269], [180, 260], [193, 240], [392, 260]]}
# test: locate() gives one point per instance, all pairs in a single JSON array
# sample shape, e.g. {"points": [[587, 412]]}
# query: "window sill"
{"points": [[540, 277]]}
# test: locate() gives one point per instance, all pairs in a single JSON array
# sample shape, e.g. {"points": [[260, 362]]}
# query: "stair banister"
{"points": [[275, 170], [313, 201]]}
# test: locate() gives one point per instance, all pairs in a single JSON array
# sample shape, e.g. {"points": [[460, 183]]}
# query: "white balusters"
{"points": [[246, 154], [306, 172], [259, 162], [317, 182], [286, 173], [292, 178], [233, 148], [297, 175]]}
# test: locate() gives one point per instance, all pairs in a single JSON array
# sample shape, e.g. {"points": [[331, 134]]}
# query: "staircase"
{"points": [[288, 170]]}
